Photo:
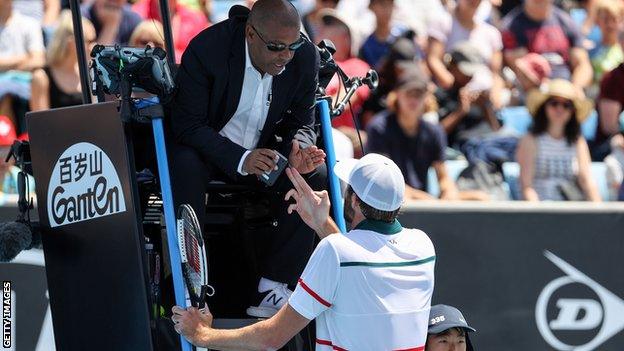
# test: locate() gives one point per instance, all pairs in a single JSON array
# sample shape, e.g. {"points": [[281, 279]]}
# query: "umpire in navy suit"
{"points": [[246, 89]]}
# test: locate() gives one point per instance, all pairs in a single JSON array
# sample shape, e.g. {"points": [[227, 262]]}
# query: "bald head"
{"points": [[279, 12]]}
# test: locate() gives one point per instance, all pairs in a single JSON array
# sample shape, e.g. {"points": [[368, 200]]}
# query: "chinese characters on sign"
{"points": [[84, 185]]}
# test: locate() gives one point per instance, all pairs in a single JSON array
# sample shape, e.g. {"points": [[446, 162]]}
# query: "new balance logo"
{"points": [[273, 297]]}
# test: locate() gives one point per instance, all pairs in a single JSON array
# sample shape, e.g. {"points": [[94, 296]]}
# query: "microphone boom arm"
{"points": [[371, 80]]}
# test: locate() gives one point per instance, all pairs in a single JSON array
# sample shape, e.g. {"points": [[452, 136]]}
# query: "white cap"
{"points": [[376, 180]]}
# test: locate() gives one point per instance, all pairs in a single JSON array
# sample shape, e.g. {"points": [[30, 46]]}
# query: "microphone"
{"points": [[21, 234], [371, 79], [16, 237]]}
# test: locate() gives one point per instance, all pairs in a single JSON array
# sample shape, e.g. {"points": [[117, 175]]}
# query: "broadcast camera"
{"points": [[121, 71], [144, 68]]}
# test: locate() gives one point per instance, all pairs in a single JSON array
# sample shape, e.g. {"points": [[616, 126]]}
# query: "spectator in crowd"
{"points": [[610, 104], [403, 53], [339, 30], [447, 30], [412, 143], [448, 330], [554, 158], [312, 21], [58, 83], [21, 52], [185, 23], [148, 33], [538, 27], [46, 12], [367, 289], [408, 14], [377, 45], [608, 54], [615, 165], [114, 20], [465, 109], [586, 17]]}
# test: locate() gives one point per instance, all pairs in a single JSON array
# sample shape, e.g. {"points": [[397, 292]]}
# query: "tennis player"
{"points": [[369, 289]]}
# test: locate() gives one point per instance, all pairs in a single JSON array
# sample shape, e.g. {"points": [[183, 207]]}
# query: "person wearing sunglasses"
{"points": [[246, 91], [554, 158]]}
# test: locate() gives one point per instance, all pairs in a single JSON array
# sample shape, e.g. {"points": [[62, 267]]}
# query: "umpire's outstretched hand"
{"points": [[305, 160]]}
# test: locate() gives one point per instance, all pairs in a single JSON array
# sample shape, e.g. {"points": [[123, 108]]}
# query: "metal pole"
{"points": [[335, 194], [165, 16], [80, 50]]}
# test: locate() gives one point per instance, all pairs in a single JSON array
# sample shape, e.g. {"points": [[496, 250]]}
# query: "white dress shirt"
{"points": [[246, 124]]}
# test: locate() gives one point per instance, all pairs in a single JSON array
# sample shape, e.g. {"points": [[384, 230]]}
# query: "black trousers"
{"points": [[287, 248]]}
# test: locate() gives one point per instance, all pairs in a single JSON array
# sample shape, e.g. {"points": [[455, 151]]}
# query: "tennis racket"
{"points": [[193, 257]]}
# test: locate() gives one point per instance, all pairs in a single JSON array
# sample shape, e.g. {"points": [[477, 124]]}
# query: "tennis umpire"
{"points": [[246, 90], [369, 289]]}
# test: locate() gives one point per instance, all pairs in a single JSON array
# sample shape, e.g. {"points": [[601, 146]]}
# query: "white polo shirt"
{"points": [[369, 289]]}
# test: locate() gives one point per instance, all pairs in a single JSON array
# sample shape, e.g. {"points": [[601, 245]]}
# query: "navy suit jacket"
{"points": [[209, 84]]}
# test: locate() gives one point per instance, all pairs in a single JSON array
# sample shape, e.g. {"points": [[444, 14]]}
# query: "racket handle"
{"points": [[202, 297]]}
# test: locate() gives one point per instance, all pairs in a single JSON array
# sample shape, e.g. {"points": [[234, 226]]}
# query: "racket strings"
{"points": [[192, 247], [192, 250]]}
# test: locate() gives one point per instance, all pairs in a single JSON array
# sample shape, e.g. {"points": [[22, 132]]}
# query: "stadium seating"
{"points": [[511, 171], [453, 167]]}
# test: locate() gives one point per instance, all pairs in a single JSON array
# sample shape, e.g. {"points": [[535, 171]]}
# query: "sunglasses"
{"points": [[280, 47], [568, 105]]}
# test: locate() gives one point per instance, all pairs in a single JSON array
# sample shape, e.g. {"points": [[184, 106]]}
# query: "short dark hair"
{"points": [[572, 129], [281, 11], [459, 330], [372, 213]]}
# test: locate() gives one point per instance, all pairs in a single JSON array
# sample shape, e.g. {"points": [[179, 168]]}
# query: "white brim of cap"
{"points": [[344, 167]]}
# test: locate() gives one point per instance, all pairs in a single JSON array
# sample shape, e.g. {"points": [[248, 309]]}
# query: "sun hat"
{"points": [[558, 88]]}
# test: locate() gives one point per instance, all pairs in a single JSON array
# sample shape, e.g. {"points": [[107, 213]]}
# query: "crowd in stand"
{"points": [[483, 99]]}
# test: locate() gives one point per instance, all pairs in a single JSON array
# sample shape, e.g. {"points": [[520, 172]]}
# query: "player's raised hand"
{"points": [[312, 206]]}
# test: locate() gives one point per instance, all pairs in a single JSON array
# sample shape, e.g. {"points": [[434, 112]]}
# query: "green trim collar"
{"points": [[380, 227]]}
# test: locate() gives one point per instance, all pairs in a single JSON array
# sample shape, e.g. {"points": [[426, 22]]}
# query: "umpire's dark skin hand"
{"points": [[260, 161]]}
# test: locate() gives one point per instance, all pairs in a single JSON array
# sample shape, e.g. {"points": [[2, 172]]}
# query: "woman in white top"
{"points": [[553, 156], [447, 30]]}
